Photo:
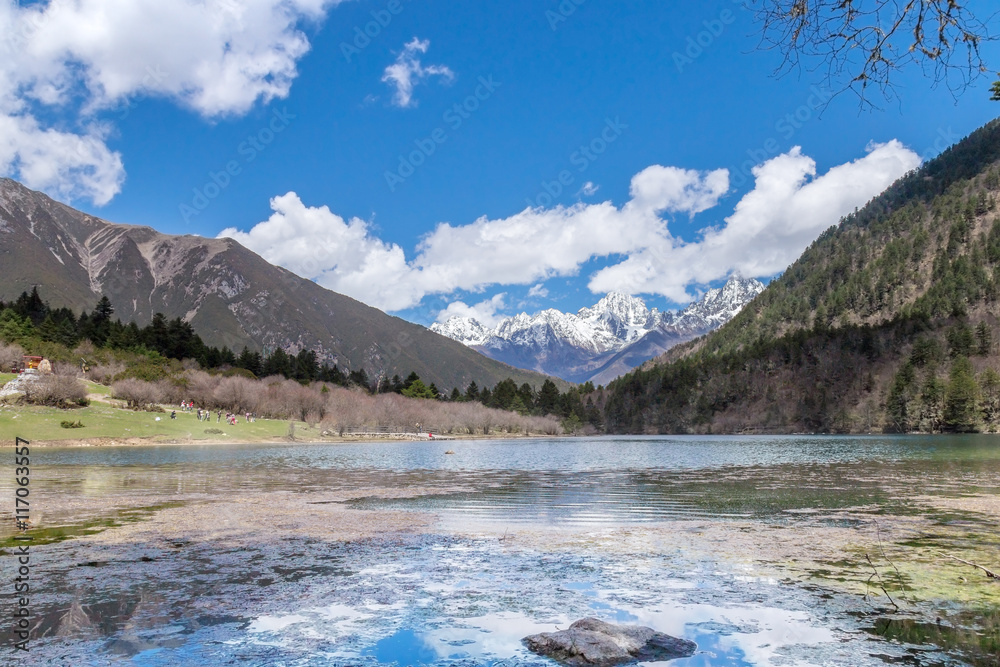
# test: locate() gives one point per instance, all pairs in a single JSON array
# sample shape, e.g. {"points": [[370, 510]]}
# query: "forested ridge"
{"points": [[886, 323]]}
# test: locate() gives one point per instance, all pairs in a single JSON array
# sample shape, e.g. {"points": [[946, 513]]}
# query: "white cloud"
{"points": [[485, 312], [538, 291], [772, 225], [589, 189], [62, 163], [72, 58], [769, 228], [339, 254], [408, 71], [657, 189]]}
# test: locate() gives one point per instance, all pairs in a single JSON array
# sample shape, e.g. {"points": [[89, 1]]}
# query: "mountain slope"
{"points": [[230, 295], [601, 342], [864, 332]]}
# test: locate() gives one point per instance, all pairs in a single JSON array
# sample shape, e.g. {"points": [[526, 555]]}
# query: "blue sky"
{"points": [[140, 124]]}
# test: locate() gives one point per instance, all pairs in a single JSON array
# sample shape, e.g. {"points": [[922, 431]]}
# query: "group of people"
{"points": [[231, 418], [206, 415]]}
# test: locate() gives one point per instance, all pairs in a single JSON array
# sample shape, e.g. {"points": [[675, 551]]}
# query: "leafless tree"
{"points": [[197, 386], [356, 409], [237, 394], [10, 357], [294, 400], [860, 45], [105, 373], [137, 394], [57, 389]]}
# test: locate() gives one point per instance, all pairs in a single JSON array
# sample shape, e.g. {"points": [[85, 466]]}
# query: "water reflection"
{"points": [[586, 481], [468, 600]]}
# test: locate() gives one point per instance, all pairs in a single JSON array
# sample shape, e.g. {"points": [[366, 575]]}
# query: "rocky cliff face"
{"points": [[604, 341]]}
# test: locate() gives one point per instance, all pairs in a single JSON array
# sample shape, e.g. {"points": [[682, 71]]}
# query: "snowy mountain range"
{"points": [[602, 342]]}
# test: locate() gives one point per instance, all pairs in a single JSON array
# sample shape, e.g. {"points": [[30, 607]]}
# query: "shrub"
{"points": [[137, 394], [54, 390], [85, 349], [10, 357], [239, 372], [106, 373], [355, 409], [69, 424], [149, 372], [238, 394]]}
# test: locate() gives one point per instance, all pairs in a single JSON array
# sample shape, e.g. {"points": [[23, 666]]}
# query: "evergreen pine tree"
{"points": [[984, 339], [989, 381], [472, 392], [548, 398], [961, 409]]}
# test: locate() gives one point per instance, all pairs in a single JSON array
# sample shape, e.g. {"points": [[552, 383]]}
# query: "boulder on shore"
{"points": [[590, 641]]}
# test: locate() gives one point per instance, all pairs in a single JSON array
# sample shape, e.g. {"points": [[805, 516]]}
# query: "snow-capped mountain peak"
{"points": [[465, 330], [718, 306], [563, 344], [623, 306]]}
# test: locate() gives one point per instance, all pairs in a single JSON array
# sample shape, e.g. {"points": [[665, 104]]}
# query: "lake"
{"points": [[763, 550]]}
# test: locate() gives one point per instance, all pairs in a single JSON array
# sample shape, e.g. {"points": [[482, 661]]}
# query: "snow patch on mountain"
{"points": [[610, 326]]}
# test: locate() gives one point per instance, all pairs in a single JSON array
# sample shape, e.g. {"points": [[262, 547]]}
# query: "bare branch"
{"points": [[863, 44], [881, 584], [989, 573]]}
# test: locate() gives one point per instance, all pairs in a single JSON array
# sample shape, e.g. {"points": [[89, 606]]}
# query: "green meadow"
{"points": [[102, 419]]}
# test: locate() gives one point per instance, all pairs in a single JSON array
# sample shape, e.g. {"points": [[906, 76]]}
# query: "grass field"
{"points": [[103, 420]]}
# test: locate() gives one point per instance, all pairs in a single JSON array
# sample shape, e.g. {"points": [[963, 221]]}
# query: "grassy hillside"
{"points": [[878, 326]]}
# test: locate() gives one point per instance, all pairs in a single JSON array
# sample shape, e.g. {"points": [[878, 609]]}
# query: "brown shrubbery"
{"points": [[10, 357], [60, 389], [106, 373], [138, 394], [351, 410], [335, 408]]}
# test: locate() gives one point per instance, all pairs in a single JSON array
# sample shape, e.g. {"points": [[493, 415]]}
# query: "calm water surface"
{"points": [[450, 600], [599, 481]]}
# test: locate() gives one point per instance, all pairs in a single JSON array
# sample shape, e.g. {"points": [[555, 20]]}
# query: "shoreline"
{"points": [[160, 441]]}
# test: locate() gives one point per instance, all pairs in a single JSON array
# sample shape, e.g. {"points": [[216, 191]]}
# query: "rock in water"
{"points": [[590, 641]]}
